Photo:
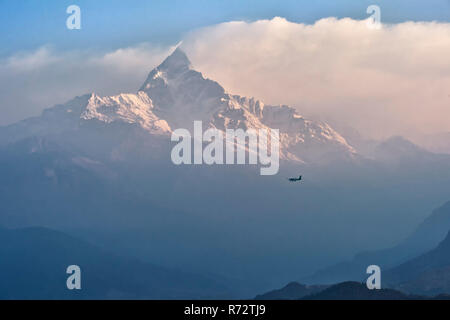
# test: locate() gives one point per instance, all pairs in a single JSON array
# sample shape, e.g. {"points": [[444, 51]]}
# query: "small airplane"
{"points": [[295, 179]]}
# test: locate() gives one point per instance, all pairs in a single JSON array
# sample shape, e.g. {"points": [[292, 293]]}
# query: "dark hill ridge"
{"points": [[34, 262], [349, 290], [426, 276], [358, 291], [292, 291]]}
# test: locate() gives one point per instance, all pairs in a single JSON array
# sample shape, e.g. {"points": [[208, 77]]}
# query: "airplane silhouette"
{"points": [[295, 179]]}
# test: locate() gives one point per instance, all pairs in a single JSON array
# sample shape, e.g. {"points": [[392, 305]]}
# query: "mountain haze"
{"points": [[37, 259], [425, 237], [99, 168]]}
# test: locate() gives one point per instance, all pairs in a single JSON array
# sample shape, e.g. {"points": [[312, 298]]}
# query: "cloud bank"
{"points": [[33, 81], [395, 80]]}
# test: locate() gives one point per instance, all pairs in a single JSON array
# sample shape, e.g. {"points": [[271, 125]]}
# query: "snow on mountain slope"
{"points": [[182, 95], [129, 108], [85, 110], [174, 96]]}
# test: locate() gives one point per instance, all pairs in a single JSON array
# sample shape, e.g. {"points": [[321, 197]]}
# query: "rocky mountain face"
{"points": [[182, 95]]}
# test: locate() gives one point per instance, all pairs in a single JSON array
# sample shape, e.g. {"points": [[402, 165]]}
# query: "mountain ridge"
{"points": [[428, 273], [424, 238], [38, 258], [174, 96]]}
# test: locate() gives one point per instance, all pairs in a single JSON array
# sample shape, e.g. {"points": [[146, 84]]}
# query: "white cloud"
{"points": [[27, 62], [32, 81], [382, 82]]}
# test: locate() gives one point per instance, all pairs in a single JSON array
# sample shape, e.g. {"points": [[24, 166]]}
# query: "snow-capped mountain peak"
{"points": [[177, 62], [174, 96], [182, 95]]}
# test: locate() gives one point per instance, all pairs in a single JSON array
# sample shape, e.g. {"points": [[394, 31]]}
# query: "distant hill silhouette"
{"points": [[34, 261], [428, 273], [292, 291], [358, 291], [349, 290], [427, 235]]}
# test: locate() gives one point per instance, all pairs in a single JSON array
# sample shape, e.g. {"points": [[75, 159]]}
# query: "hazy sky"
{"points": [[385, 81]]}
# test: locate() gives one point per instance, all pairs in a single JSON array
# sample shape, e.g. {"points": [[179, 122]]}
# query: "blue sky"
{"points": [[107, 24]]}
